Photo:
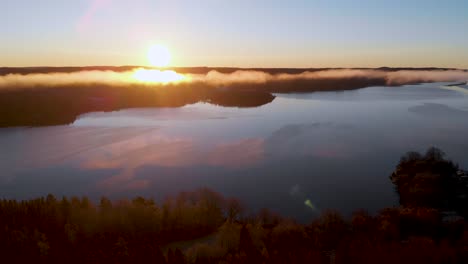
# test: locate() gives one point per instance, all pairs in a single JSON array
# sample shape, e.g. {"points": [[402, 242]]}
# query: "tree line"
{"points": [[76, 230]]}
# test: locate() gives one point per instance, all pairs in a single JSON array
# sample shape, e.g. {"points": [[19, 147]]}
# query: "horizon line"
{"points": [[236, 67]]}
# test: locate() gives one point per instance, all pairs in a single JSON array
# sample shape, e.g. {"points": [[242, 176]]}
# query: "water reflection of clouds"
{"points": [[438, 110], [39, 148], [319, 139], [150, 117], [158, 150], [245, 152], [278, 156]]}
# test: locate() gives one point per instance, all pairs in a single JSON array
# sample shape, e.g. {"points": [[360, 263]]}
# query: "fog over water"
{"points": [[335, 149]]}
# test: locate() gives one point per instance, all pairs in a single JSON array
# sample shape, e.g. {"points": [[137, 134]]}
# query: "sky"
{"points": [[242, 33]]}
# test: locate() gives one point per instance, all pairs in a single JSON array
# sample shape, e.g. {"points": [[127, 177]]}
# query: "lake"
{"points": [[298, 155]]}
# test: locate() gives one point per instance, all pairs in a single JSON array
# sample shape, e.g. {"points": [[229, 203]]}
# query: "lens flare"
{"points": [[309, 204]]}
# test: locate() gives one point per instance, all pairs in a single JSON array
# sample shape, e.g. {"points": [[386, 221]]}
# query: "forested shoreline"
{"points": [[429, 226]]}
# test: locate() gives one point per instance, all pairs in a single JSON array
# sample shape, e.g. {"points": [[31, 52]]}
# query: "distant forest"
{"points": [[202, 226]]}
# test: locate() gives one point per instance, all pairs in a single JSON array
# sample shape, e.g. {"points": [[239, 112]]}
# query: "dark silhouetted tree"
{"points": [[429, 180], [234, 209]]}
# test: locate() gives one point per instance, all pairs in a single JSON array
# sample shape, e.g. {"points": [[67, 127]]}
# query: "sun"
{"points": [[159, 56]]}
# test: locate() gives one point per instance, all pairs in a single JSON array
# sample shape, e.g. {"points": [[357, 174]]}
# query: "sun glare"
{"points": [[159, 56], [157, 76]]}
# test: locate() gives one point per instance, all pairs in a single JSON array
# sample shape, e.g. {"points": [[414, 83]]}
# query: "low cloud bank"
{"points": [[236, 78], [390, 78], [64, 79]]}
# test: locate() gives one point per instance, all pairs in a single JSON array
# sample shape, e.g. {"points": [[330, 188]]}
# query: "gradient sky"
{"points": [[308, 33]]}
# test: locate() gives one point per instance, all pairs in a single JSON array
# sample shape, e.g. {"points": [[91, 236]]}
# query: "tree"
{"points": [[234, 209], [429, 180], [175, 256], [246, 245]]}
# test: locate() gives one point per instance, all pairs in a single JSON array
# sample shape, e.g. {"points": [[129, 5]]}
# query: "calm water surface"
{"points": [[335, 149]]}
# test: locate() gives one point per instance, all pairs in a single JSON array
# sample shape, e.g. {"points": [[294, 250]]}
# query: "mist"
{"points": [[237, 78], [57, 96]]}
